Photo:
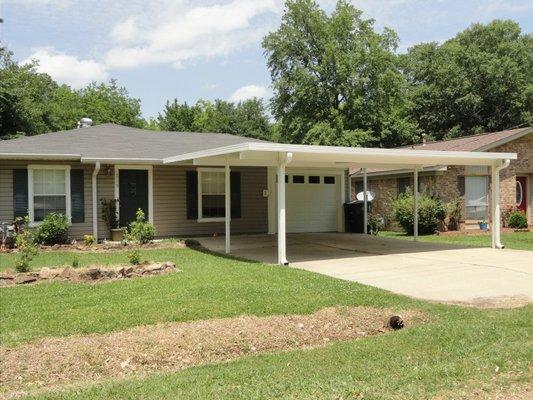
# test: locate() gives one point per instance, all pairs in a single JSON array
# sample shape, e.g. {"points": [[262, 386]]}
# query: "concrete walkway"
{"points": [[428, 271]]}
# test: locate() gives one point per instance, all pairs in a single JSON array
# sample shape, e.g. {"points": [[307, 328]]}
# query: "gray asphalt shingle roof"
{"points": [[117, 141]]}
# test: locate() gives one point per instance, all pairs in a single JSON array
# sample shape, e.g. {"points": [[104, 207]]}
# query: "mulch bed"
{"points": [[84, 360], [90, 274]]}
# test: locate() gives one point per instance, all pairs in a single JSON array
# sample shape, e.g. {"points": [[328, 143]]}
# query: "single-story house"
{"points": [[196, 183], [470, 183]]}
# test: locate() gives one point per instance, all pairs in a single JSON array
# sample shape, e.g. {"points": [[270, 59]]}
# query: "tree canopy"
{"points": [[481, 80], [336, 80]]}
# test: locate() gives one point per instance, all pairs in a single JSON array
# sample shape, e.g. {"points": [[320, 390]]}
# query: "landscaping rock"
{"points": [[168, 265], [67, 273], [93, 273], [24, 279], [48, 273], [152, 268]]}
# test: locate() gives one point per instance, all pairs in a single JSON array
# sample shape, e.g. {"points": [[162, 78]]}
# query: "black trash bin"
{"points": [[354, 216]]}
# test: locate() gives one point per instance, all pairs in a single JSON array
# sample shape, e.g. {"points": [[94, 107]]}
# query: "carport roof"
{"points": [[111, 143]]}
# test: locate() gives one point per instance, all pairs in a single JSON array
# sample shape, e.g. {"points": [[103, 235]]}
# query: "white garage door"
{"points": [[312, 202]]}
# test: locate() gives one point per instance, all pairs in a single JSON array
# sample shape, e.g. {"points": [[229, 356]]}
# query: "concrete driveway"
{"points": [[428, 271]]}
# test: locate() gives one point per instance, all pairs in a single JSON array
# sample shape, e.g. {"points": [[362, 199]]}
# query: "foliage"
{"points": [[375, 224], [517, 220], [75, 262], [25, 244], [52, 230], [109, 213], [140, 230], [431, 211], [245, 118], [134, 256], [454, 212], [336, 80], [478, 81], [88, 240]]}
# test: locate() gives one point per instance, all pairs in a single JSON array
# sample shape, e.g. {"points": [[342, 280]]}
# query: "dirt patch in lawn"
{"points": [[80, 360]]}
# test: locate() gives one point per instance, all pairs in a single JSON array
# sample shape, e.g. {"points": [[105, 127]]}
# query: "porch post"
{"points": [[495, 208], [415, 211], [95, 200], [227, 199], [282, 240], [365, 200]]}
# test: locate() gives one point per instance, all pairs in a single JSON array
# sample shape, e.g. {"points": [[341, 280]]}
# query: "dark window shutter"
{"points": [[20, 193], [77, 195], [192, 194], [461, 185], [235, 190]]}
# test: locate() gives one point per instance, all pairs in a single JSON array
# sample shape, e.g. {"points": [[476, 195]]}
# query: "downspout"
{"points": [[496, 215], [95, 200]]}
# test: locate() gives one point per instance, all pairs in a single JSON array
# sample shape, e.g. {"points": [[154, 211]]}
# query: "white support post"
{"points": [[95, 200], [282, 239], [415, 207], [365, 200], [227, 199], [496, 208]]}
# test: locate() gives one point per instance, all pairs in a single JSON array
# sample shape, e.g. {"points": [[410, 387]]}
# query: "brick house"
{"points": [[471, 183]]}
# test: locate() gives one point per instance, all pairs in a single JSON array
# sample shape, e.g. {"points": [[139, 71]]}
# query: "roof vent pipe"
{"points": [[85, 123]]}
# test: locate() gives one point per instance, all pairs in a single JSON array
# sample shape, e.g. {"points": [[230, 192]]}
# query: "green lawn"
{"points": [[514, 240], [460, 350]]}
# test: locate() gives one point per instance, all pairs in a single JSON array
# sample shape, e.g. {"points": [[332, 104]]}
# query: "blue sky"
{"points": [[184, 49]]}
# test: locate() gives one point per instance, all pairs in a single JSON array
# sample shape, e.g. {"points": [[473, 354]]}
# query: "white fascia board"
{"points": [[36, 156], [114, 160], [363, 155]]}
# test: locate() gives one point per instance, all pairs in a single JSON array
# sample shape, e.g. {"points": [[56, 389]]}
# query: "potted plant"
{"points": [[483, 225], [109, 215]]}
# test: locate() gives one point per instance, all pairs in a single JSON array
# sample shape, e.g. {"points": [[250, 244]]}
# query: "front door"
{"points": [[133, 194], [521, 193]]}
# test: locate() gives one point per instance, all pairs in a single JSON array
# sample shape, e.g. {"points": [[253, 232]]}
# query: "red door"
{"points": [[521, 193]]}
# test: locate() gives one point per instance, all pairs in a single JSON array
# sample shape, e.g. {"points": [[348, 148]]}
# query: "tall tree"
{"points": [[246, 118], [336, 80], [481, 80]]}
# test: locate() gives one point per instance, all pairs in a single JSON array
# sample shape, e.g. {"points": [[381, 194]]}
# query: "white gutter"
{"points": [[95, 200], [125, 160], [36, 156]]}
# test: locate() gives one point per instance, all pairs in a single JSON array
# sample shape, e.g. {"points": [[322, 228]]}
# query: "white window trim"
{"points": [[199, 173], [150, 170], [31, 211]]}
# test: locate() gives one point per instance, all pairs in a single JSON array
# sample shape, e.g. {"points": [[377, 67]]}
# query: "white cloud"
{"points": [[177, 34], [125, 31], [68, 69], [249, 92]]}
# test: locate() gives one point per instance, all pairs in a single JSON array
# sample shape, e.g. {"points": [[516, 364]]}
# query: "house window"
{"points": [[476, 194], [49, 191], [403, 184], [211, 196], [329, 180], [314, 179]]}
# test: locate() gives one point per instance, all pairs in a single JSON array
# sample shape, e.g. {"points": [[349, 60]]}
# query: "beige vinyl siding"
{"points": [[77, 230]]}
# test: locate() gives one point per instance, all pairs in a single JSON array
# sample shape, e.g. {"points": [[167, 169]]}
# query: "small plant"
{"points": [[517, 220], [454, 211], [431, 212], [134, 256], [88, 240], [75, 262], [52, 230], [109, 213], [375, 224], [140, 231], [26, 246]]}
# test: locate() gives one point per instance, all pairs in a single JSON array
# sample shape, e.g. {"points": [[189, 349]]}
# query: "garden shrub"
{"points": [[25, 244], [431, 212], [134, 256], [52, 230], [375, 224], [140, 230], [517, 220], [75, 262], [88, 240], [454, 211]]}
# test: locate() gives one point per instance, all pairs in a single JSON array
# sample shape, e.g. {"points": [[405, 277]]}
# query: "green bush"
{"points": [[25, 244], [88, 240], [134, 256], [517, 220], [431, 211], [140, 230], [375, 224], [454, 210], [52, 230]]}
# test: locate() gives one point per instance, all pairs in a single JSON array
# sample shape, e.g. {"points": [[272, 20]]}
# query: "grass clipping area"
{"points": [[82, 360]]}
